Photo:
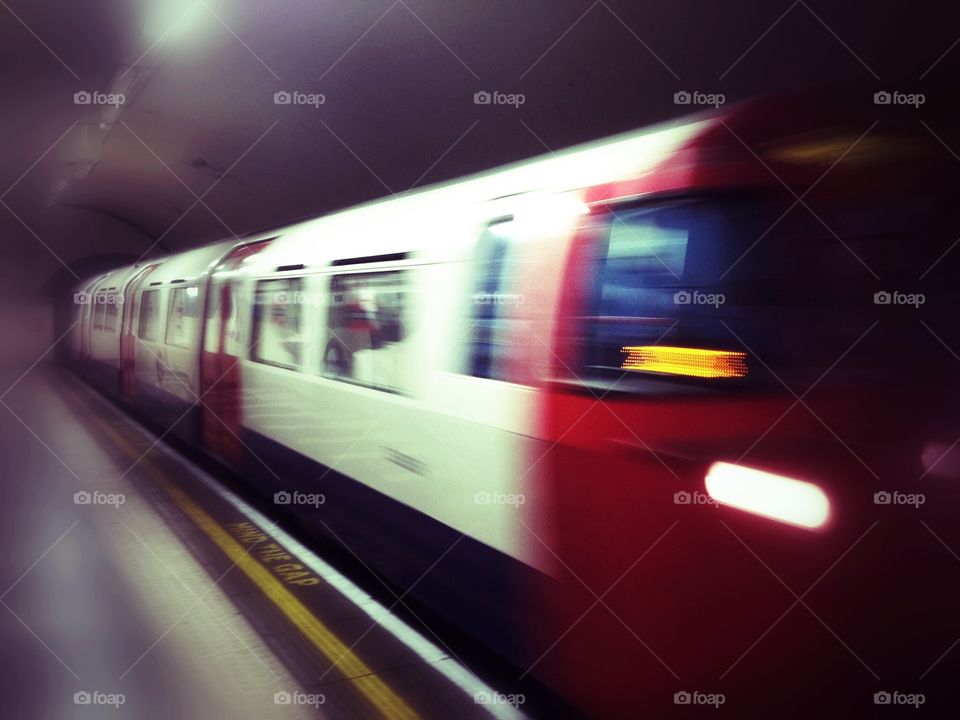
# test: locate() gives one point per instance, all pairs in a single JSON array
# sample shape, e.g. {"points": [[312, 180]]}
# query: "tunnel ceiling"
{"points": [[198, 149]]}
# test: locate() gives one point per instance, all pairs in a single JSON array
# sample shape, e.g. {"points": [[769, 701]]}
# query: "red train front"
{"points": [[754, 378]]}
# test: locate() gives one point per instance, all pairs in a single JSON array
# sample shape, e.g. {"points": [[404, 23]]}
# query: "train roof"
{"points": [[188, 265], [767, 141], [378, 227], [113, 281]]}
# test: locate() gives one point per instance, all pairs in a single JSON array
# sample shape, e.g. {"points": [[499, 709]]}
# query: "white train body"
{"points": [[511, 397]]}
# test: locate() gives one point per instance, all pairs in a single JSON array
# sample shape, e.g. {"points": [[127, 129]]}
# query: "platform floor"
{"points": [[161, 594]]}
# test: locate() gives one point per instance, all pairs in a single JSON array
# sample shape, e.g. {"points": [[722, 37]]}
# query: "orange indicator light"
{"points": [[692, 362]]}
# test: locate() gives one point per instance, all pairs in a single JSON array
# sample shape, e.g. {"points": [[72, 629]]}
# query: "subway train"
{"points": [[666, 419]]}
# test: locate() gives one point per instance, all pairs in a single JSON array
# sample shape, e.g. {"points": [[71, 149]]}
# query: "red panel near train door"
{"points": [[220, 378], [626, 627]]}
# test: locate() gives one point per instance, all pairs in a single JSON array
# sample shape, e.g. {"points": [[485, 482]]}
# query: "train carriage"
{"points": [[582, 405]]}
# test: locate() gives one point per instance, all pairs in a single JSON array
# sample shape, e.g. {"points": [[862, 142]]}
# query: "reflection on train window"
{"points": [[656, 278], [493, 303], [211, 322], [645, 258], [232, 332], [367, 330], [96, 315], [149, 316], [183, 316], [222, 319], [110, 312], [277, 324]]}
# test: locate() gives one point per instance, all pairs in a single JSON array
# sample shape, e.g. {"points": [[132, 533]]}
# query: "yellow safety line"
{"points": [[335, 650]]}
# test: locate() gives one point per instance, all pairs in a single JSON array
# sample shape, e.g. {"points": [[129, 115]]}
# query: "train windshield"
{"points": [[728, 291]]}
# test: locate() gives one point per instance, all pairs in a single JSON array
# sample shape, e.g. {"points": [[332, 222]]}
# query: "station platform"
{"points": [[136, 585]]}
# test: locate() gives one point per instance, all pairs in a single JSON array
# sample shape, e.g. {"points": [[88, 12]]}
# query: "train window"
{"points": [[367, 330], [222, 333], [232, 331], [99, 308], [211, 323], [668, 275], [149, 316], [277, 323], [111, 311], [492, 317], [183, 316], [737, 290]]}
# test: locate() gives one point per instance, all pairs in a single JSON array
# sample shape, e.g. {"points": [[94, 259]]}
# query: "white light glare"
{"points": [[541, 216], [788, 500]]}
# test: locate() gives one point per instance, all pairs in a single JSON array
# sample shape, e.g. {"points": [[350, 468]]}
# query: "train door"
{"points": [[127, 343], [220, 386], [86, 316]]}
